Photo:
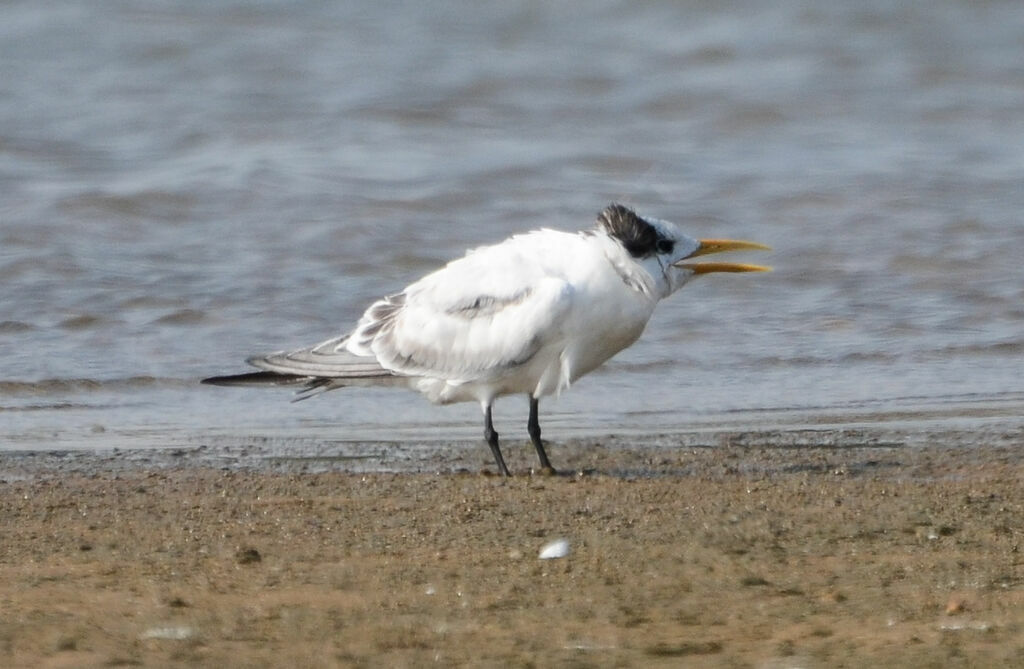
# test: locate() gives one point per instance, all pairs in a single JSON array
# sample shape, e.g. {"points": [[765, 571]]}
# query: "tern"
{"points": [[530, 315]]}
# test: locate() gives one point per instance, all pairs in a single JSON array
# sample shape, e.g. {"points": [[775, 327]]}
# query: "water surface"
{"points": [[187, 183]]}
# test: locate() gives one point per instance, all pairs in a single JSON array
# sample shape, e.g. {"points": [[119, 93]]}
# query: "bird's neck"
{"points": [[643, 275]]}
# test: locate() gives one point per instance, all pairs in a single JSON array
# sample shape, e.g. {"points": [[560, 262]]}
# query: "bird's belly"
{"points": [[578, 356], [581, 348], [540, 375], [444, 391], [601, 350]]}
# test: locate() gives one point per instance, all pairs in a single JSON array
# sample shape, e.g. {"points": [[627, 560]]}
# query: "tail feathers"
{"points": [[314, 387], [316, 370], [311, 385]]}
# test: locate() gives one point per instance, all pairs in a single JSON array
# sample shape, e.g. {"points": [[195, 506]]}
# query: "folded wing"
{"points": [[472, 320]]}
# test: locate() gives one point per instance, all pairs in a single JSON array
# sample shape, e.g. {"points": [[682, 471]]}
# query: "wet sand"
{"points": [[732, 556]]}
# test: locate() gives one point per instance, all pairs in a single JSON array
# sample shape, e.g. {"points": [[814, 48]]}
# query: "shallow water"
{"points": [[189, 183]]}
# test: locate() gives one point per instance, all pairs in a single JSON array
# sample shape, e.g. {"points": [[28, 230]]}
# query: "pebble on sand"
{"points": [[248, 556]]}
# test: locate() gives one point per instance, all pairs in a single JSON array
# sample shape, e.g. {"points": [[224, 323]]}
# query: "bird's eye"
{"points": [[665, 245]]}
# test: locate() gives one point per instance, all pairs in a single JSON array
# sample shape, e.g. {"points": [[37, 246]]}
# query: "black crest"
{"points": [[638, 236]]}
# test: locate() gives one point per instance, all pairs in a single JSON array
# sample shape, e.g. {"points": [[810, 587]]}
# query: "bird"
{"points": [[528, 315]]}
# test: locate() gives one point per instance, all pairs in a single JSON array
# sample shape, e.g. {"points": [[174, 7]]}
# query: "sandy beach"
{"points": [[730, 556]]}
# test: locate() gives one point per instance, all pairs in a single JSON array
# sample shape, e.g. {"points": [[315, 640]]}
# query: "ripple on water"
{"points": [[12, 327], [182, 317]]}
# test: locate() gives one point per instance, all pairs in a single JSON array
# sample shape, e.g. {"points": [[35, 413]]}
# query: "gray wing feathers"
{"points": [[461, 331], [329, 359]]}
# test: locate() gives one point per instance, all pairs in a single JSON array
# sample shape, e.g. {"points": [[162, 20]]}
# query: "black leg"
{"points": [[533, 427], [492, 440]]}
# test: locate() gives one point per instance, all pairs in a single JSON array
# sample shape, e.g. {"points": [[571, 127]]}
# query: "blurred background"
{"points": [[183, 184]]}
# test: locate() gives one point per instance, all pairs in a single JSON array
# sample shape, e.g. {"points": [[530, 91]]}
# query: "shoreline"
{"points": [[628, 455], [735, 556]]}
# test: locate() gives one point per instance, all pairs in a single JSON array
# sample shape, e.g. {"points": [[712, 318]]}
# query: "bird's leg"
{"points": [[533, 427], [492, 440]]}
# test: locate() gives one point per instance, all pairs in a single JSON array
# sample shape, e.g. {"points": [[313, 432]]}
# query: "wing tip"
{"points": [[255, 379]]}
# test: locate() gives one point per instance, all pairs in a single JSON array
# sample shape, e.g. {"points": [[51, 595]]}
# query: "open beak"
{"points": [[708, 246]]}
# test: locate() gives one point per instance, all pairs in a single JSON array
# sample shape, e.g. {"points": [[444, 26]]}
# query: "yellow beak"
{"points": [[708, 246]]}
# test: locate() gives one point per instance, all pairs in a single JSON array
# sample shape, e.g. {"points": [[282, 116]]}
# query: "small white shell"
{"points": [[172, 632], [558, 548]]}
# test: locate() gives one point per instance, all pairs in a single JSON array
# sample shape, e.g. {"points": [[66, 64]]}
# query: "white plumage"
{"points": [[529, 315]]}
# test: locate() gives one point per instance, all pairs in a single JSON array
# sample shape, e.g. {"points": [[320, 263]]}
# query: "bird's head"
{"points": [[665, 252]]}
